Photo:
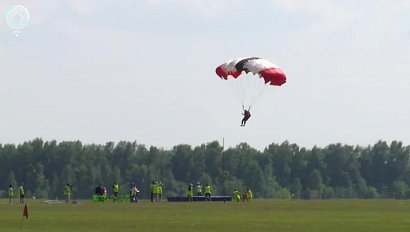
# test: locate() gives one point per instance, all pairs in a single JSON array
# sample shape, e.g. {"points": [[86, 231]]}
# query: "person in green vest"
{"points": [[190, 192], [208, 192], [21, 193], [160, 190], [10, 193], [198, 189], [115, 190], [236, 195], [156, 191], [67, 192]]}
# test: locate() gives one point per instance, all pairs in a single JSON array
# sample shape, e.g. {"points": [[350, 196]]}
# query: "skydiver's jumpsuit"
{"points": [[247, 115]]}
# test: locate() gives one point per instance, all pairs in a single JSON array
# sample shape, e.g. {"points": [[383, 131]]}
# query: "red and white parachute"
{"points": [[271, 73], [250, 87]]}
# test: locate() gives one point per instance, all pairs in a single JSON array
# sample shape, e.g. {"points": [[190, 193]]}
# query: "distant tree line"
{"points": [[279, 171]]}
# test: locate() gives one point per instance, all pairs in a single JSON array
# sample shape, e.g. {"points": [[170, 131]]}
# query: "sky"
{"points": [[144, 71]]}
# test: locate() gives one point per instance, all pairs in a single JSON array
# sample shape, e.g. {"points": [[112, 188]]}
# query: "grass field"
{"points": [[258, 215]]}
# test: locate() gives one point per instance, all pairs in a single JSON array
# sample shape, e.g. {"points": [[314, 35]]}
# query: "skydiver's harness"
{"points": [[246, 115]]}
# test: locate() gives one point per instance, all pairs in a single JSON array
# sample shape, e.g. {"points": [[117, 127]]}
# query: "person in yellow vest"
{"points": [[236, 195], [198, 189], [156, 191], [160, 190], [10, 193], [67, 192], [248, 195], [115, 190], [21, 193], [190, 192], [208, 192]]}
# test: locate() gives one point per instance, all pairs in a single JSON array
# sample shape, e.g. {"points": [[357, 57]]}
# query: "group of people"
{"points": [[101, 192], [207, 191], [10, 192], [156, 192], [245, 197]]}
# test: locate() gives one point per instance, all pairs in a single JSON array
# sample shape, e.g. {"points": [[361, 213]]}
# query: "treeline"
{"points": [[280, 171]]}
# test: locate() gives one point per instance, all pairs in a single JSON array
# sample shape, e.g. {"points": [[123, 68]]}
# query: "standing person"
{"points": [[67, 192], [190, 192], [21, 193], [131, 192], [136, 190], [115, 190], [98, 189], [208, 192], [160, 190], [236, 195], [198, 189], [104, 191], [248, 195], [10, 193], [152, 190], [157, 190], [134, 193]]}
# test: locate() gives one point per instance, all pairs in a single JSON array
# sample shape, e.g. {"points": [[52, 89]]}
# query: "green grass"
{"points": [[258, 215]]}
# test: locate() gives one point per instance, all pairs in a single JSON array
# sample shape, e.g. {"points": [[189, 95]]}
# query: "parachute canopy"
{"points": [[271, 73]]}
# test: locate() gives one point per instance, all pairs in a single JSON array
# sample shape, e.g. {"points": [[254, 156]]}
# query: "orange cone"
{"points": [[25, 211]]}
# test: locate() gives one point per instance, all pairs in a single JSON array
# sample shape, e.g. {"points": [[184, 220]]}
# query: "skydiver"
{"points": [[246, 115]]}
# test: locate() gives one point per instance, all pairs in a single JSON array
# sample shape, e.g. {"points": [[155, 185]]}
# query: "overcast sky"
{"points": [[100, 71]]}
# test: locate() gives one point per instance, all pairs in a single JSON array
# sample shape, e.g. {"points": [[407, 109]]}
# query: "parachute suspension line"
{"points": [[247, 89], [255, 87], [241, 89], [238, 89], [262, 90], [244, 90]]}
